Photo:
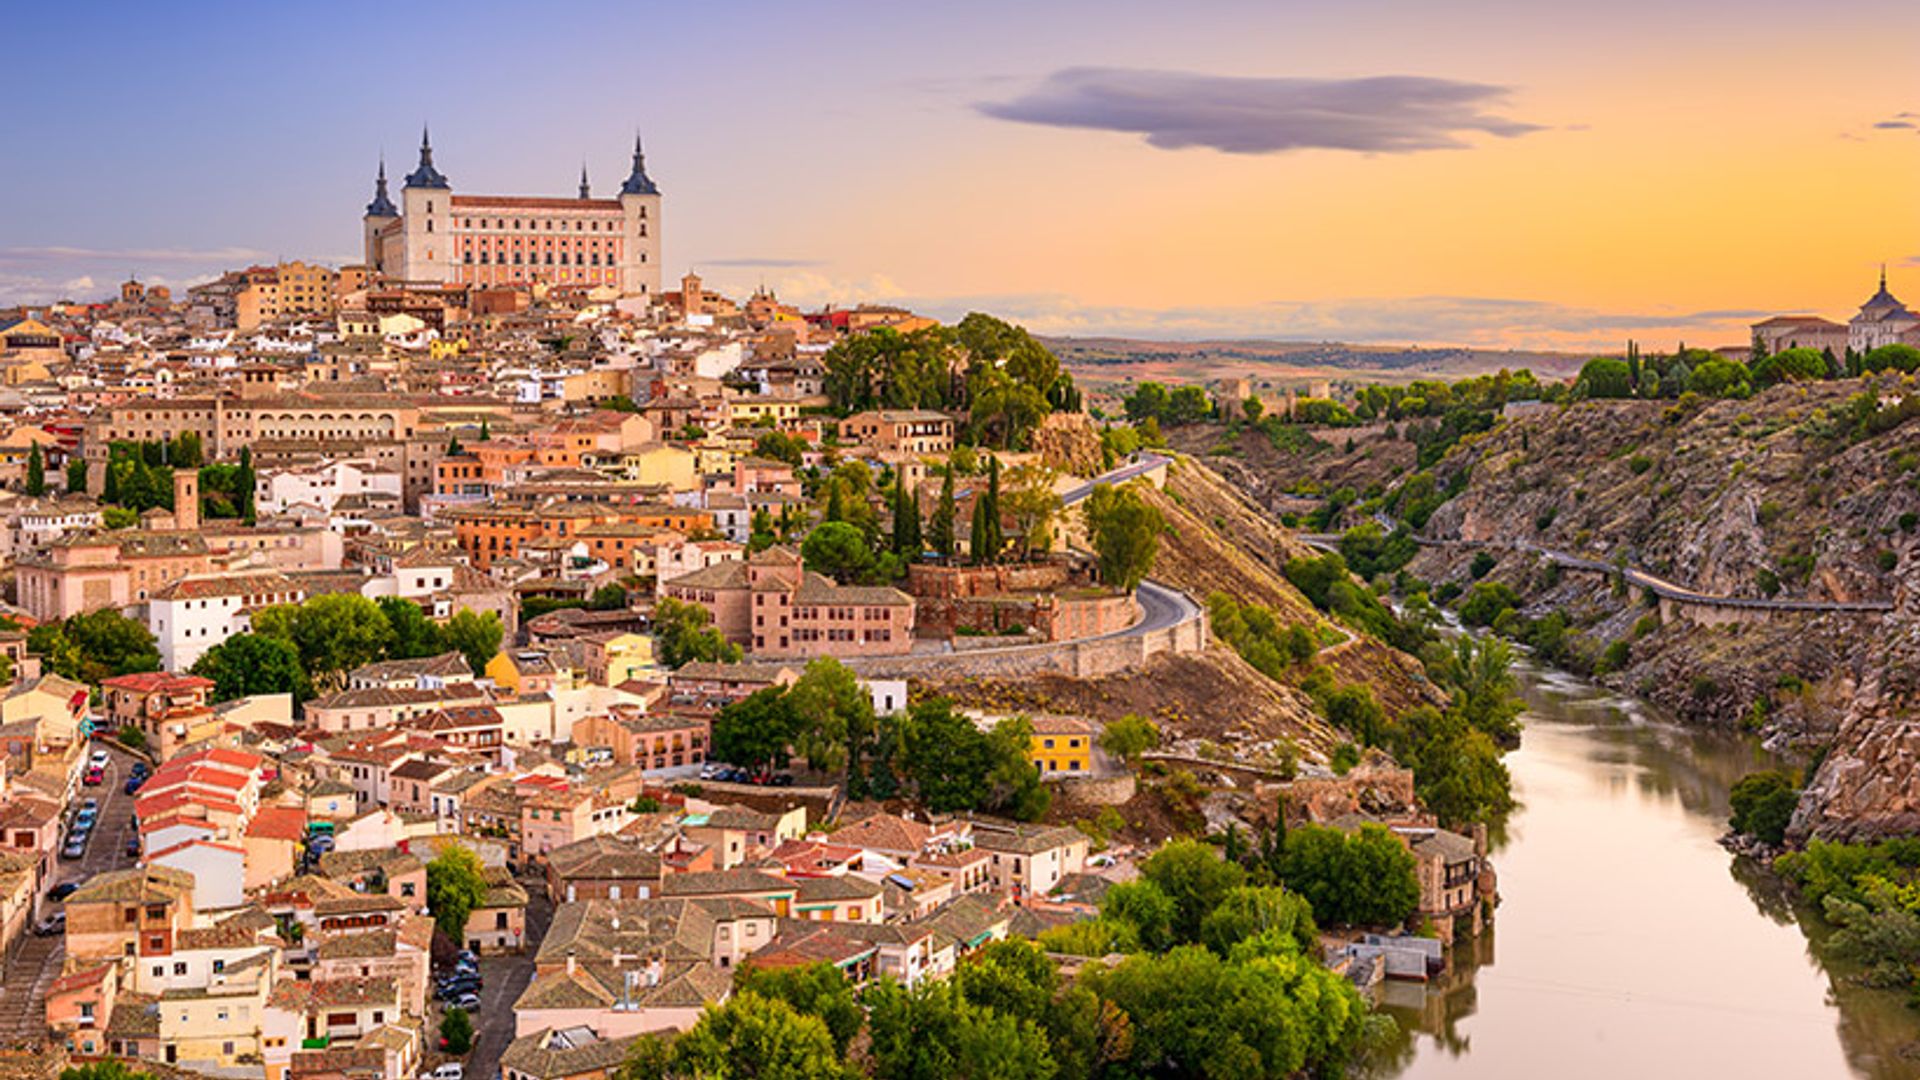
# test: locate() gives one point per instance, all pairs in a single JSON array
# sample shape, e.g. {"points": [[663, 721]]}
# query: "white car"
{"points": [[99, 759], [451, 1070]]}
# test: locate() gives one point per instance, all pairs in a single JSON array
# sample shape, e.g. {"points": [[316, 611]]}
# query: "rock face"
{"points": [[1781, 495], [1068, 442]]}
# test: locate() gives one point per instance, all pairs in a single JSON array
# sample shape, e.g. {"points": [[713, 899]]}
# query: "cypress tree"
{"points": [[77, 476], [940, 529], [36, 471], [906, 521], [243, 481], [486, 430], [835, 510], [978, 543], [110, 493], [996, 540]]}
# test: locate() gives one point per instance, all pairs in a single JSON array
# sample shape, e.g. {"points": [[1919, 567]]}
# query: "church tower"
{"points": [[640, 229], [426, 219], [380, 213]]}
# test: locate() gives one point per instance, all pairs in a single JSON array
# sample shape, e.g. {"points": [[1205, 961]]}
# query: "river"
{"points": [[1628, 943]]}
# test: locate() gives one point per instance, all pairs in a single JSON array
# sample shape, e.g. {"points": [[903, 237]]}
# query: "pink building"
{"points": [[774, 607]]}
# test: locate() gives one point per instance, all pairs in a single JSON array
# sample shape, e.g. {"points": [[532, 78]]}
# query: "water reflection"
{"points": [[1629, 943]]}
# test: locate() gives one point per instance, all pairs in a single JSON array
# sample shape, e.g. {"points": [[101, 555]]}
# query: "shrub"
{"points": [[1485, 601], [1887, 560], [1483, 564], [1344, 758], [1639, 463], [1763, 804]]}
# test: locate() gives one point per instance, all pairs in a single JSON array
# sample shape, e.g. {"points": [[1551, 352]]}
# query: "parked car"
{"points": [[53, 924], [141, 768], [133, 846], [466, 956], [449, 1070], [469, 1002], [63, 890], [98, 760], [95, 777], [320, 843], [783, 780], [75, 848], [133, 784]]}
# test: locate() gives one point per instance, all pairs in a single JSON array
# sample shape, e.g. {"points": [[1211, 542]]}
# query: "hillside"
{"points": [[1785, 495]]}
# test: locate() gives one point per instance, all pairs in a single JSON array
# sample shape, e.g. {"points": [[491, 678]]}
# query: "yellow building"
{"points": [[523, 672], [1062, 744], [616, 657], [659, 463], [746, 411]]}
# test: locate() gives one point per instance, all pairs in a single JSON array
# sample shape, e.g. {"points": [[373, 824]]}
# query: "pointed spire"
{"points": [[381, 206], [584, 192], [638, 183], [426, 176]]}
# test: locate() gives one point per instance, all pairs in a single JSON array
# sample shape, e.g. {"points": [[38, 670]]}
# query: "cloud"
{"points": [[757, 261], [1905, 120], [57, 254], [1483, 322], [1894, 125], [1391, 114]]}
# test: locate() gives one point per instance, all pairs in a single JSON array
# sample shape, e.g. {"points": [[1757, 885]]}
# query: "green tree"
{"points": [[749, 1038], [95, 646], [1195, 878], [946, 757], [1014, 978], [817, 990], [608, 597], [1789, 365], [1254, 408], [1366, 878], [118, 517], [1013, 780], [1605, 377], [77, 475], [779, 446], [36, 472], [476, 635], [105, 1069], [682, 634], [413, 634], [249, 664], [334, 633], [757, 731], [932, 1031], [838, 550], [456, 885], [1129, 737], [244, 483], [1125, 532], [1763, 804], [1193, 1013], [833, 713], [940, 534], [906, 521], [1149, 401], [456, 1027], [1146, 913], [1253, 910]]}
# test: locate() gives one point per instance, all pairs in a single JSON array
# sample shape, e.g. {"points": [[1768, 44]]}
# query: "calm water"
{"points": [[1629, 944]]}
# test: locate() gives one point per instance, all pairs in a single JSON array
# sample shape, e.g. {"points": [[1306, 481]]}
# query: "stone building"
{"points": [[436, 236]]}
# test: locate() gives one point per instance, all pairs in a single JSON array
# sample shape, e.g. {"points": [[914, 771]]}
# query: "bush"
{"points": [[457, 1028], [132, 738], [1616, 658], [1887, 560], [1482, 565], [1485, 601], [1344, 758], [1639, 463], [1763, 804]]}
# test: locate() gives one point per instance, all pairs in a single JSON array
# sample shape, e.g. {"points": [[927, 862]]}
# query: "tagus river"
{"points": [[1629, 944]]}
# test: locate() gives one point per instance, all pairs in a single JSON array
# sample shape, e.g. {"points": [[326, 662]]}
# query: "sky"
{"points": [[1497, 173]]}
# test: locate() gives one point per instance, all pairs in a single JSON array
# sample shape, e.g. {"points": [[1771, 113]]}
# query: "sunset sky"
{"points": [[1491, 172]]}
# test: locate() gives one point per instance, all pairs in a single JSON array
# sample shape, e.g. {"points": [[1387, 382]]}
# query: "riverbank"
{"points": [[1629, 942]]}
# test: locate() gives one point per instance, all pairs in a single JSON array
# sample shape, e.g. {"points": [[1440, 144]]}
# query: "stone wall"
{"points": [[1051, 617], [1074, 794], [1081, 659], [926, 581]]}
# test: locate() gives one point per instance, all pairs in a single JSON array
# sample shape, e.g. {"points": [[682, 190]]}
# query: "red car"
{"points": [[95, 776]]}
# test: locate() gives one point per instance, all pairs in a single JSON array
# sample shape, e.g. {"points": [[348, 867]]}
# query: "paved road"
{"points": [[505, 978], [35, 961], [1121, 475]]}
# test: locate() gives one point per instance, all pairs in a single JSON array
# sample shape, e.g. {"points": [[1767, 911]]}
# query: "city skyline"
{"points": [[1282, 171]]}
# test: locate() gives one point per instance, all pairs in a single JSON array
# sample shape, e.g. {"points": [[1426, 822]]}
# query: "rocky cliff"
{"points": [[1805, 492]]}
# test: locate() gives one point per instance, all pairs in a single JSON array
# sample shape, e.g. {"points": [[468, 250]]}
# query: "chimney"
{"points": [[656, 969], [570, 963]]}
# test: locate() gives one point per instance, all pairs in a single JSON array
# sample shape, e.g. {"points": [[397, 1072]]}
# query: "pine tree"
{"points": [[243, 482], [453, 446], [36, 472], [1633, 364], [940, 529], [77, 476], [486, 430], [110, 492]]}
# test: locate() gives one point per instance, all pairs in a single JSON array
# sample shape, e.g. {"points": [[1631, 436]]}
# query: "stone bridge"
{"points": [[1676, 601]]}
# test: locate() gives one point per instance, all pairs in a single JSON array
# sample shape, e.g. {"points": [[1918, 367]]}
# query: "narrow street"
{"points": [[34, 962], [506, 977]]}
